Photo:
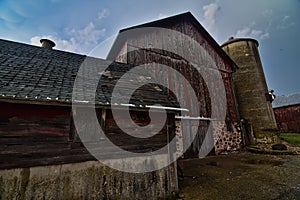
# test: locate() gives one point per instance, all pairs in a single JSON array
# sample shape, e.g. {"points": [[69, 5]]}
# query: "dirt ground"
{"points": [[241, 176]]}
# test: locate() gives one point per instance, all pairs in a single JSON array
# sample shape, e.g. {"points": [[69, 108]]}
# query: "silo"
{"points": [[251, 89]]}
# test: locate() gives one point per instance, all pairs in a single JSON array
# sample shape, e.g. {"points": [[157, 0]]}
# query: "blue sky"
{"points": [[80, 26]]}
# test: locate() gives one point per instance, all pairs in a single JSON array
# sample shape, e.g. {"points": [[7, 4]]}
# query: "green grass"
{"points": [[292, 138]]}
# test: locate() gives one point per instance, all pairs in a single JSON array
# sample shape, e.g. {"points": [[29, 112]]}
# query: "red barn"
{"points": [[287, 113], [41, 153], [138, 45], [38, 139]]}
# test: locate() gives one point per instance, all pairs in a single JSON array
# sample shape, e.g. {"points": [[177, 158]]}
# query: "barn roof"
{"points": [[31, 74], [116, 48], [287, 100]]}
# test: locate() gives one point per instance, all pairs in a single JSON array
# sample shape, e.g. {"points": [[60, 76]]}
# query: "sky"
{"points": [[80, 26]]}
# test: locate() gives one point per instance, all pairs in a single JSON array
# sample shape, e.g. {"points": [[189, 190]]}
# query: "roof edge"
{"points": [[40, 47], [148, 24], [233, 40], [116, 47]]}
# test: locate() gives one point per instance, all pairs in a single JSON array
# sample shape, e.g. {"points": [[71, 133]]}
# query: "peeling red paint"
{"points": [[288, 118]]}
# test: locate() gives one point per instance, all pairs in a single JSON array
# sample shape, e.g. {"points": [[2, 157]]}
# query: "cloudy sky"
{"points": [[80, 26]]}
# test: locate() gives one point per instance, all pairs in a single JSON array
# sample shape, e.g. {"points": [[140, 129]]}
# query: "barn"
{"points": [[43, 155], [45, 151], [287, 112], [181, 43]]}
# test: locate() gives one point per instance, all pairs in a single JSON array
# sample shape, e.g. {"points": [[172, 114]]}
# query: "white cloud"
{"points": [[243, 32], [254, 33], [285, 22], [267, 13], [79, 40], [67, 45], [255, 30], [210, 13], [285, 18], [103, 14], [87, 36], [266, 35]]}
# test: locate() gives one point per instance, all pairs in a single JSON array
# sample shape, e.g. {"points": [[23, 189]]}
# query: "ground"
{"points": [[241, 176]]}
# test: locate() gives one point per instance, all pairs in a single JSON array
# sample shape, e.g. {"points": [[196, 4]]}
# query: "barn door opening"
{"points": [[191, 133]]}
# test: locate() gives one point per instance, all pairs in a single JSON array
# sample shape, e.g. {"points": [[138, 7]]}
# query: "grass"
{"points": [[292, 138]]}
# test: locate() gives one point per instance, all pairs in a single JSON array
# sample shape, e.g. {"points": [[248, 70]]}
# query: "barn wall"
{"points": [[86, 180], [288, 118], [34, 135], [39, 121], [132, 142], [138, 56], [41, 157]]}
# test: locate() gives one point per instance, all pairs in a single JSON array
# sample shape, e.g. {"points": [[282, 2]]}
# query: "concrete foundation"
{"points": [[87, 180]]}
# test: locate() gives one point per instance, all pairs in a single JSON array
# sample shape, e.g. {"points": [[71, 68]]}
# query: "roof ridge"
{"points": [[39, 47], [286, 100]]}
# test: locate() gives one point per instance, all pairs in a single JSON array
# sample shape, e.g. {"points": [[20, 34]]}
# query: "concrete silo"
{"points": [[251, 89]]}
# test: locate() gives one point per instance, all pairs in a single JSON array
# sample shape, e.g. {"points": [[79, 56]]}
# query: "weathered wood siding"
{"points": [[135, 144], [38, 143], [288, 118], [39, 121], [138, 56], [34, 135]]}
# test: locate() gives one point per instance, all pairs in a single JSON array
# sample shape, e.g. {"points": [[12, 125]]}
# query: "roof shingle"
{"points": [[287, 100], [37, 74]]}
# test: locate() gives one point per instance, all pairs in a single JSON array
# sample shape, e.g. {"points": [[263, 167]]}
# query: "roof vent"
{"points": [[47, 43]]}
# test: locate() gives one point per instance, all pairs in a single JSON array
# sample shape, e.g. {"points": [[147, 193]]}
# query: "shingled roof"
{"points": [[32, 74], [287, 100]]}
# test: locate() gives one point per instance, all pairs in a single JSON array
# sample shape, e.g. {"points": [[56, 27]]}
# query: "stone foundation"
{"points": [[179, 139], [267, 137], [228, 137]]}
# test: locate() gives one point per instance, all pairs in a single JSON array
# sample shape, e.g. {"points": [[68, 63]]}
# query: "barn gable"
{"points": [[187, 24], [138, 45]]}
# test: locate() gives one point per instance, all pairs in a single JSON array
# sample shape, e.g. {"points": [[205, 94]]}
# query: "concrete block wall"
{"points": [[86, 180]]}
